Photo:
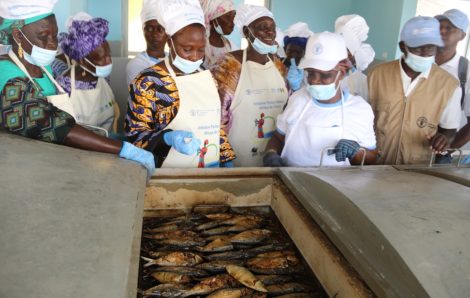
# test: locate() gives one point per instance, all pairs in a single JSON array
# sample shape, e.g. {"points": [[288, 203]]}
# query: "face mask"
{"points": [[100, 71], [39, 56], [323, 92], [186, 66], [418, 63], [219, 29], [263, 48], [352, 70]]}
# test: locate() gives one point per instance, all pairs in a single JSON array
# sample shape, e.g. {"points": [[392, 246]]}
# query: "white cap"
{"points": [[364, 56], [354, 28], [174, 15], [24, 9], [299, 29], [324, 51], [149, 11], [247, 14], [81, 16]]}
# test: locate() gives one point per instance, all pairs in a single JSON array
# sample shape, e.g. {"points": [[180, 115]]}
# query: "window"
{"points": [[435, 7]]}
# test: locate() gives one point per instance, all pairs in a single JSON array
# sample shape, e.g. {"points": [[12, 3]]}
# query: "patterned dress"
{"points": [[227, 74], [153, 104], [25, 111]]}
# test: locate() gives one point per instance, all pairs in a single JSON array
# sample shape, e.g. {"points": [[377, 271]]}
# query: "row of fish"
{"points": [[221, 255]]}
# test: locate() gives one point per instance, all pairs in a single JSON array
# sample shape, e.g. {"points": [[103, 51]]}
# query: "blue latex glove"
{"points": [[228, 164], [345, 149], [142, 156], [295, 76], [272, 159], [182, 141]]}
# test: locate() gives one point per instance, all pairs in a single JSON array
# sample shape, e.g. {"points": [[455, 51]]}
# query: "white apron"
{"points": [[93, 107], [304, 142], [61, 100], [199, 113], [260, 96]]}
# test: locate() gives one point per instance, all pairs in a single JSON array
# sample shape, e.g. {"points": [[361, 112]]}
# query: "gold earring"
{"points": [[83, 73], [20, 51]]}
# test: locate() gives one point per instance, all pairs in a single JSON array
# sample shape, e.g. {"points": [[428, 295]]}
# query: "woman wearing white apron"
{"points": [[252, 86], [321, 116], [91, 99], [27, 87], [174, 109]]}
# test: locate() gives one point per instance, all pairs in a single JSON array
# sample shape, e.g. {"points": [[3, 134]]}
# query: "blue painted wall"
{"points": [[108, 9], [385, 18]]}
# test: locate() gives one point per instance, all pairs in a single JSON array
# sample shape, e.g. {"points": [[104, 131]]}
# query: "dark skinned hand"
{"points": [[438, 142]]}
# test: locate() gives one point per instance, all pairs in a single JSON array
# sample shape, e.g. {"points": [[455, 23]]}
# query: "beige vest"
{"points": [[402, 124]]}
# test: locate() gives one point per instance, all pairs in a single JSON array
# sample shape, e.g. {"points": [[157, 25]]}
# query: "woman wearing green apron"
{"points": [[27, 86]]}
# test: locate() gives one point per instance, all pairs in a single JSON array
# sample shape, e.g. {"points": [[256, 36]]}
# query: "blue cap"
{"points": [[456, 17], [420, 31]]}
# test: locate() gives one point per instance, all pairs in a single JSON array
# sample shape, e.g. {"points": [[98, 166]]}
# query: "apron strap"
{"points": [[61, 90], [72, 77], [169, 68], [21, 66]]}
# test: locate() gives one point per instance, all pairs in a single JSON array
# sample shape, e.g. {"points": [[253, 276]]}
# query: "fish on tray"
{"points": [[189, 271], [232, 293], [218, 266], [171, 277], [170, 234], [280, 265], [217, 245], [212, 284], [245, 277], [165, 290], [274, 279], [254, 236], [177, 258], [288, 288]]}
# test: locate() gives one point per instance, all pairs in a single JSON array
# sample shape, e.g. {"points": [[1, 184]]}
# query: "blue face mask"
{"points": [[39, 56], [323, 92], [186, 66], [100, 71], [418, 63], [263, 48]]}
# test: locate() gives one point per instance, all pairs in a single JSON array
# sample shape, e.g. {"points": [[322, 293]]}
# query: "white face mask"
{"points": [[418, 63], [39, 56], [100, 71], [324, 92], [186, 66], [261, 47]]}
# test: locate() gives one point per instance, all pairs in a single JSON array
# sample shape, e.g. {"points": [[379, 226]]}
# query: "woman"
{"points": [[219, 16], [354, 29], [27, 85], [174, 109], [251, 86], [321, 116], [91, 100], [155, 38], [295, 40]]}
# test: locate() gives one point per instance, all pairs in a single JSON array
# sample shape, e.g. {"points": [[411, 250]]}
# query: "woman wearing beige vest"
{"points": [[415, 102]]}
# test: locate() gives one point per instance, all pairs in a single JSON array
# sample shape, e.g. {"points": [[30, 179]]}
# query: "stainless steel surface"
{"points": [[407, 234], [70, 221]]}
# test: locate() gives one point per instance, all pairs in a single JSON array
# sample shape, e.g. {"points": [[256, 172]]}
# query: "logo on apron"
{"points": [[202, 154]]}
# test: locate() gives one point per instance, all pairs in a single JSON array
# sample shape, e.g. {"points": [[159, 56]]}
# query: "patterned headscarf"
{"points": [[7, 25], [216, 8], [83, 37]]}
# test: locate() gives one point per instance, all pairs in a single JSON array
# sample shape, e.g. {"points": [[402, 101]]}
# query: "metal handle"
{"points": [[433, 156], [332, 148]]}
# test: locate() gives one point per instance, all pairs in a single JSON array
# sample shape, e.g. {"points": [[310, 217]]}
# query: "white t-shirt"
{"points": [[452, 66], [450, 118], [358, 117], [139, 63], [356, 84]]}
